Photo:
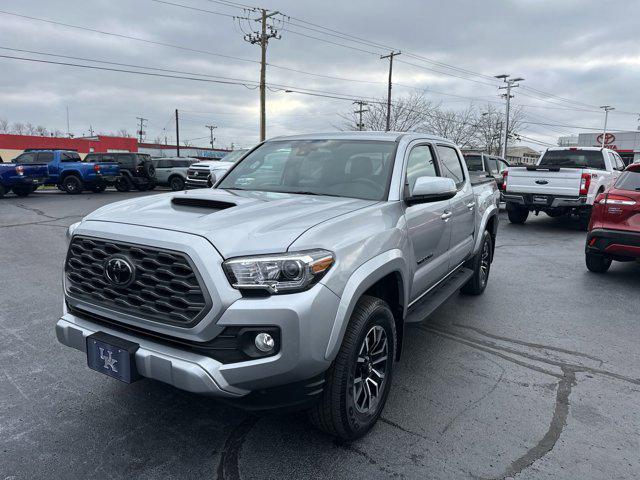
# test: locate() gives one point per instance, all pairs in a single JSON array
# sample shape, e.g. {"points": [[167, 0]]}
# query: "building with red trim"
{"points": [[13, 145]]}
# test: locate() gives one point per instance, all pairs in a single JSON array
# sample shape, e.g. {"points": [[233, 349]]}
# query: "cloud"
{"points": [[582, 50]]}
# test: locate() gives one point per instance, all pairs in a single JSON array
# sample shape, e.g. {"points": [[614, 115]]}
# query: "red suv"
{"points": [[614, 230]]}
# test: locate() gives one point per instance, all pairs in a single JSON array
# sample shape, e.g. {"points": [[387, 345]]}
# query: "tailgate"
{"points": [[109, 169], [565, 181]]}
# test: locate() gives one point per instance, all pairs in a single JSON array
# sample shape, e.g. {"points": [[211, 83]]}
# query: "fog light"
{"points": [[264, 342]]}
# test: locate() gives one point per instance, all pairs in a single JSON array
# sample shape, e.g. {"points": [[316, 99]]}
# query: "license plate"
{"points": [[112, 356], [539, 199]]}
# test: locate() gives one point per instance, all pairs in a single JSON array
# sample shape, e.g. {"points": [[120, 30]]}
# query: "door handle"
{"points": [[446, 215], [471, 205]]}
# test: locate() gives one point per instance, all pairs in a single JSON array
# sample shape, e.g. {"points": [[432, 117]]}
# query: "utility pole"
{"points": [[390, 57], [510, 83], [262, 38], [607, 109], [68, 132], [177, 135], [360, 111], [141, 131], [211, 128]]}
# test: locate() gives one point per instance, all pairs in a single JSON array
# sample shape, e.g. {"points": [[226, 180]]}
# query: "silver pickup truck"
{"points": [[287, 286]]}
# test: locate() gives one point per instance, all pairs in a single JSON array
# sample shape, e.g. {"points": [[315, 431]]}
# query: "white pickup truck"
{"points": [[565, 181]]}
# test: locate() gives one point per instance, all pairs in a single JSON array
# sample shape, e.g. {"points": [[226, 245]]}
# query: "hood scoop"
{"points": [[201, 203]]}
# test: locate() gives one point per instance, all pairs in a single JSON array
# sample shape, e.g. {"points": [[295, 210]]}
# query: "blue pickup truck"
{"points": [[69, 173], [21, 178]]}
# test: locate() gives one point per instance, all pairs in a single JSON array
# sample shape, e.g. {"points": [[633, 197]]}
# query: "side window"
{"points": [[26, 158], [492, 165], [420, 164], [45, 157], [619, 162], [450, 165], [69, 157], [502, 165]]}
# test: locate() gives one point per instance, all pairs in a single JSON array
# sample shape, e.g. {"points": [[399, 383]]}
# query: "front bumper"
{"points": [[613, 243], [534, 201], [199, 183]]}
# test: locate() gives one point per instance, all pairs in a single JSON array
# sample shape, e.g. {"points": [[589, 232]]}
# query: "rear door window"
{"points": [[450, 165], [629, 180], [573, 159]]}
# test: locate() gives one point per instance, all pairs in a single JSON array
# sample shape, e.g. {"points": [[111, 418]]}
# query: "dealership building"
{"points": [[627, 144]]}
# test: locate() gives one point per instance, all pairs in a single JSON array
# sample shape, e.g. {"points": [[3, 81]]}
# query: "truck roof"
{"points": [[551, 149], [369, 135]]}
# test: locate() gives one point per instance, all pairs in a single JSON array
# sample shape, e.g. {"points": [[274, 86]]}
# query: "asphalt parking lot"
{"points": [[537, 378]]}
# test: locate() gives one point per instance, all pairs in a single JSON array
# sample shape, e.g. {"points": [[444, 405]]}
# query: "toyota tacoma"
{"points": [[289, 285]]}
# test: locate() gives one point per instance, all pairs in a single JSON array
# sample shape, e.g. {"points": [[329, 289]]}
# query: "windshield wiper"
{"points": [[311, 193]]}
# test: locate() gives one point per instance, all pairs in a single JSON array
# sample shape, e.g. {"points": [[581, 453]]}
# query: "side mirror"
{"points": [[432, 189]]}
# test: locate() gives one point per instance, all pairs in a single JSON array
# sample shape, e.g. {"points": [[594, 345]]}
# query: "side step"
{"points": [[440, 294]]}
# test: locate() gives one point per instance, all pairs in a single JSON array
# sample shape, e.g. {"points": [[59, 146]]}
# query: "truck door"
{"points": [[428, 224], [462, 206]]}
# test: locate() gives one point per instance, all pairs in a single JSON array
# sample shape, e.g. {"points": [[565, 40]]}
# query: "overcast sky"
{"points": [[584, 51]]}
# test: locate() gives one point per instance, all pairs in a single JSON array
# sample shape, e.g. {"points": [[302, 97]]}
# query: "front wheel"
{"points": [[597, 263], [481, 265], [359, 378], [516, 213]]}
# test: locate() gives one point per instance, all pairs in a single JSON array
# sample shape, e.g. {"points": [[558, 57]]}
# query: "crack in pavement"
{"points": [[32, 209], [229, 465], [567, 380], [558, 422], [42, 222], [528, 344], [476, 402], [349, 447]]}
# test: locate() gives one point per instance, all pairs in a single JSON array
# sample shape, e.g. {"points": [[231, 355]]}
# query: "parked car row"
{"points": [[97, 171]]}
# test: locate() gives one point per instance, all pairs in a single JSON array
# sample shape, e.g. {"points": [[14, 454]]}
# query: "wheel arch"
{"points": [[489, 222], [385, 271]]}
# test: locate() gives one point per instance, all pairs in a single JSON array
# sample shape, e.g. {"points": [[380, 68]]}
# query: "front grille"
{"points": [[165, 286], [198, 174]]}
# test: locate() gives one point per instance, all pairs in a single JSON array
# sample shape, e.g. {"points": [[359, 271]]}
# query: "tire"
{"points": [[584, 218], [98, 188], [343, 410], [72, 185], [597, 263], [34, 187], [3, 191], [123, 184], [176, 183], [22, 190], [481, 265], [517, 214]]}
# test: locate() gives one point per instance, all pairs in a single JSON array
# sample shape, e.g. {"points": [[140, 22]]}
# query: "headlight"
{"points": [[72, 229], [280, 273]]}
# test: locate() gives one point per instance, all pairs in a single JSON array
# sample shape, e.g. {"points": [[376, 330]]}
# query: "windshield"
{"points": [[343, 168], [233, 156], [474, 163], [629, 180], [573, 159]]}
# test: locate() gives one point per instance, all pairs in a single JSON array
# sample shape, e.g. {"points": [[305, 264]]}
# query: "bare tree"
{"points": [[4, 125], [18, 128], [41, 131], [408, 114], [30, 128], [123, 132], [458, 126], [57, 133]]}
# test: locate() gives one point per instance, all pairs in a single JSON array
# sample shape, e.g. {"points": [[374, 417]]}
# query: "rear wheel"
{"points": [[359, 378], [22, 190], [176, 183], [34, 187], [72, 185], [481, 265], [123, 184], [597, 263], [516, 213]]}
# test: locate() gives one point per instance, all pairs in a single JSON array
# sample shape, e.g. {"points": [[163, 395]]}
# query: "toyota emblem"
{"points": [[119, 271]]}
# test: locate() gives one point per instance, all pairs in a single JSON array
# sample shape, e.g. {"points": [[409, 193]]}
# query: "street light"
{"points": [[607, 109]]}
